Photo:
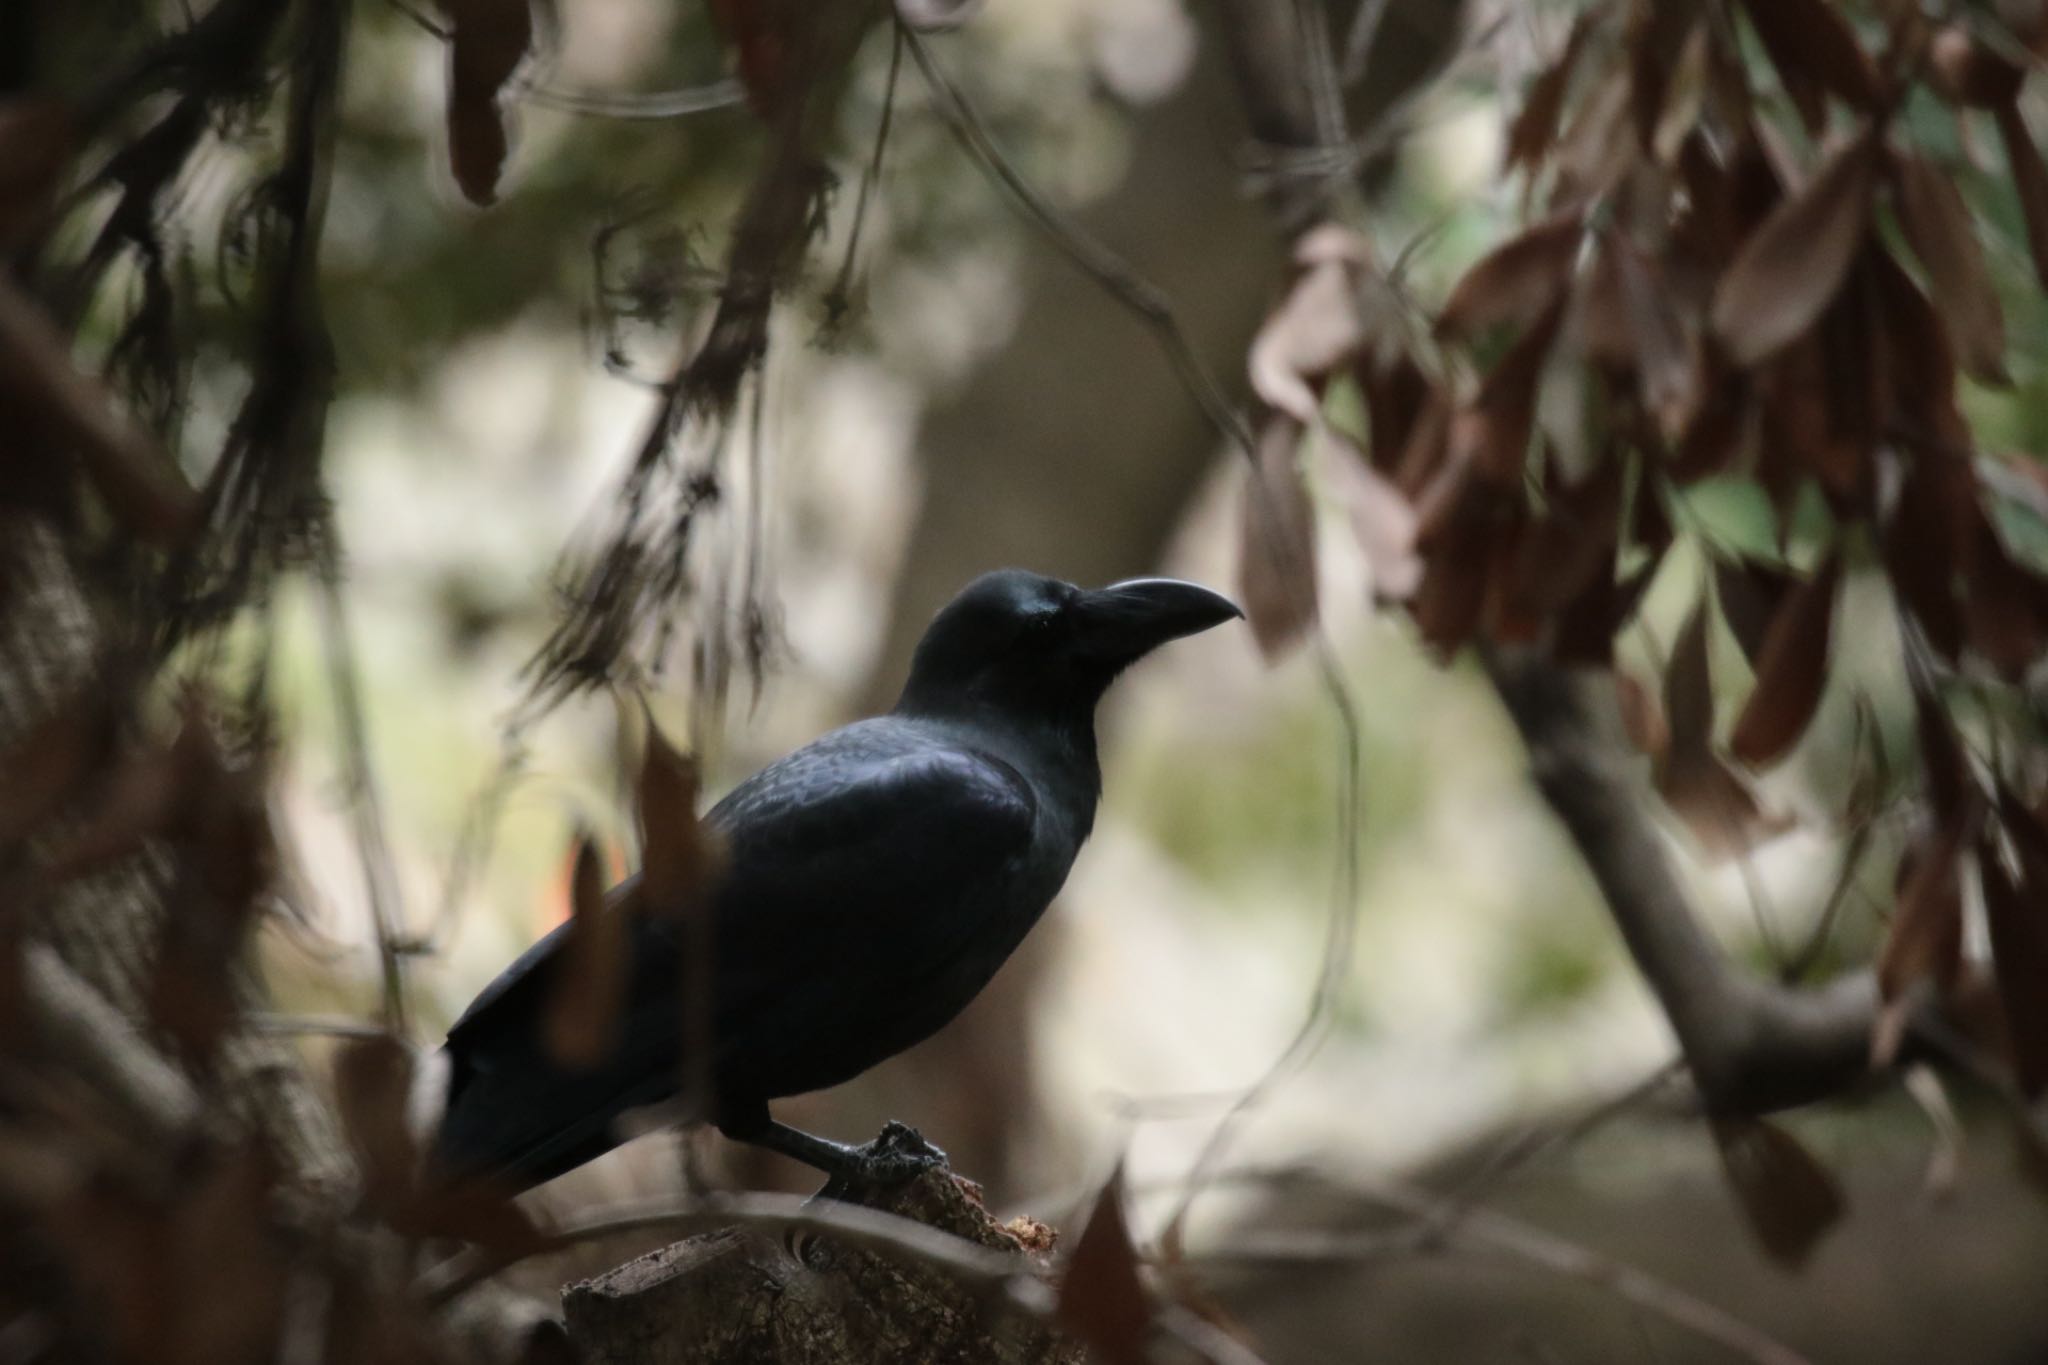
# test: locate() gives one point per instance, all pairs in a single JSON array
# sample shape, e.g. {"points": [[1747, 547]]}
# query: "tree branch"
{"points": [[1753, 1046]]}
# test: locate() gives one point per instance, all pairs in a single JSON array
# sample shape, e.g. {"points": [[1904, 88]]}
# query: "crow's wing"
{"points": [[856, 869], [873, 887]]}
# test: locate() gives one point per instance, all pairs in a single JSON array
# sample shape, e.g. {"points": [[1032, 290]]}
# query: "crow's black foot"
{"points": [[897, 1156]]}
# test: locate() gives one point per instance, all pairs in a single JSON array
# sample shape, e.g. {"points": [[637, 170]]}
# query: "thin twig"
{"points": [[836, 298], [652, 105], [366, 812]]}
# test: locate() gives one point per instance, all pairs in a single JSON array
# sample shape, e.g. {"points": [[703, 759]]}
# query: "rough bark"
{"points": [[743, 1298]]}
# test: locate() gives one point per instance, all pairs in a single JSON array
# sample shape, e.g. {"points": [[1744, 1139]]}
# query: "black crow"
{"points": [[875, 880]]}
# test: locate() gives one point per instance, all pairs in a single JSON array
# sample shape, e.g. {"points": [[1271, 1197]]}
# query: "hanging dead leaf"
{"points": [[1535, 127], [680, 858], [1788, 1199], [1715, 805], [1921, 406], [1944, 768], [1689, 686], [1317, 329], [1937, 223], [1396, 394], [2016, 913], [487, 39], [1750, 592], [1574, 542], [1426, 453], [1793, 264], [1382, 520], [1102, 1300], [1586, 629], [37, 141], [1504, 615], [1492, 434], [1723, 426], [372, 1079], [1516, 283], [1667, 360], [1455, 547], [41, 390], [1925, 943], [1813, 48], [2005, 606], [2029, 180], [586, 995], [1276, 549], [1927, 545], [1791, 670]]}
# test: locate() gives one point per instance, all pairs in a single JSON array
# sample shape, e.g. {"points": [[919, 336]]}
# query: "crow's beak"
{"points": [[1125, 621]]}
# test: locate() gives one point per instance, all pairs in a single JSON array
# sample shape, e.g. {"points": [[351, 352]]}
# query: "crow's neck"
{"points": [[1053, 744]]}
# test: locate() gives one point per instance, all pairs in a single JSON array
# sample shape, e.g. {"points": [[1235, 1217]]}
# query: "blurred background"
{"points": [[976, 403]]}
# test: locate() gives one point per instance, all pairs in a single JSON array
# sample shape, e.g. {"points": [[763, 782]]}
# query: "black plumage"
{"points": [[876, 879]]}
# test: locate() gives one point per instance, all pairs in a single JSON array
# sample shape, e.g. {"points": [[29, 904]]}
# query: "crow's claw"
{"points": [[896, 1157]]}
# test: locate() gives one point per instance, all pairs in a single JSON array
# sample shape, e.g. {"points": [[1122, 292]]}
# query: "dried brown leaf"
{"points": [[1709, 799], [1562, 552], [1317, 329], [1794, 263], [2016, 912], [1492, 434], [1812, 46], [487, 40], [1586, 629], [681, 859], [585, 995], [2005, 607], [1788, 1199], [1667, 359], [1276, 567], [1382, 520], [1455, 543], [1928, 543], [1937, 223], [1689, 687], [37, 141], [1925, 942], [1397, 394], [1516, 283], [2030, 181], [43, 392], [372, 1079], [1102, 1300], [1750, 592], [1535, 127], [1791, 670]]}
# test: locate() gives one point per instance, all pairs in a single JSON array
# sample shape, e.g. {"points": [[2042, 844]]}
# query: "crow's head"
{"points": [[1021, 641]]}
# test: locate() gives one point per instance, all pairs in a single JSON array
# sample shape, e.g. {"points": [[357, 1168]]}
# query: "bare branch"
{"points": [[1753, 1046]]}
